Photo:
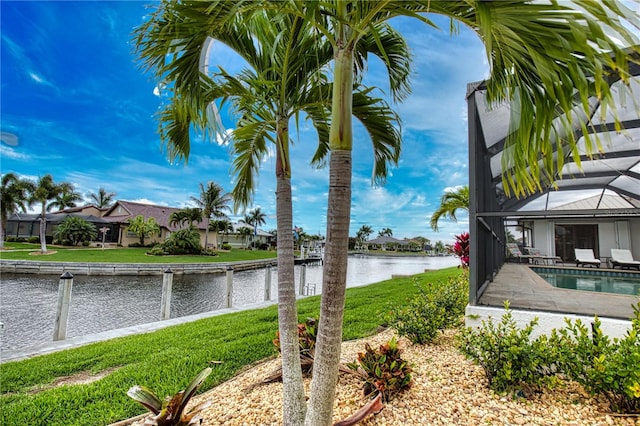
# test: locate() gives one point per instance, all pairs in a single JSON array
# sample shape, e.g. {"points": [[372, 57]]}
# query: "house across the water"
{"points": [[112, 225]]}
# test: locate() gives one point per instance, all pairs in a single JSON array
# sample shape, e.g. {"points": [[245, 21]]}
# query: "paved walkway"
{"points": [[74, 342], [527, 290]]}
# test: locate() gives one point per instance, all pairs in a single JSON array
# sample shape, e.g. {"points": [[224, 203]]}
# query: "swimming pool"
{"points": [[592, 280]]}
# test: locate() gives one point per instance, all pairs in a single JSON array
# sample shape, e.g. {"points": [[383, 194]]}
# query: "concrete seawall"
{"points": [[135, 269]]}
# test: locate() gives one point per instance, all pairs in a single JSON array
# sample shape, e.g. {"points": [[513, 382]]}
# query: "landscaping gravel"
{"points": [[448, 390]]}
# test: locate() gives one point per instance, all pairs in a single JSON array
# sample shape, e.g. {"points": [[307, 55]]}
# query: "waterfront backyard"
{"points": [[88, 385]]}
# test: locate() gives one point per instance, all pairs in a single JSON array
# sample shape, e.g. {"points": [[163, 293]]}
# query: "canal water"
{"points": [[100, 303]]}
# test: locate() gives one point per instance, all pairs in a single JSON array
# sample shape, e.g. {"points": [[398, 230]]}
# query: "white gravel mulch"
{"points": [[448, 390]]}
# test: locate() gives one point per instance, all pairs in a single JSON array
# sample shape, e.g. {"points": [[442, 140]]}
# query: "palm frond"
{"points": [[383, 125]]}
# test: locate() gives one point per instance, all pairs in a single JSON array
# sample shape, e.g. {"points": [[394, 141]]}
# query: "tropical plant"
{"points": [[14, 194], [183, 241], [103, 198], [363, 233], [186, 216], [383, 370], [171, 411], [43, 191], [143, 227], [65, 199], [285, 78], [245, 232], [214, 202], [385, 232], [461, 249], [531, 48], [307, 336], [223, 226], [75, 230], [256, 218], [450, 203]]}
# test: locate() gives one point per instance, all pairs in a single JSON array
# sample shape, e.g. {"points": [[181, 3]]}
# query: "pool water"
{"points": [[598, 281]]}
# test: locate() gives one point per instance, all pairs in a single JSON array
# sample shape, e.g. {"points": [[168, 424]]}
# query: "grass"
{"points": [[166, 360], [121, 255]]}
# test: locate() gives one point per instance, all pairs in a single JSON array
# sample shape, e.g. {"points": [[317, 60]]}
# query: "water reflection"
{"points": [[28, 302]]}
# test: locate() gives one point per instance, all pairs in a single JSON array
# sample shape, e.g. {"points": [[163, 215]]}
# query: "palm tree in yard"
{"points": [[14, 194], [214, 202], [43, 191], [103, 198], [451, 202], [545, 58], [245, 232], [385, 232], [257, 218], [285, 78], [65, 199]]}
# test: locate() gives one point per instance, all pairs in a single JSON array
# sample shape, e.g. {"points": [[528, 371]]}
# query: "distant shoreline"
{"points": [[394, 254]]}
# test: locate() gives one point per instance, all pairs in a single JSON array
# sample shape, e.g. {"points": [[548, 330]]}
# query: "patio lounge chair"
{"points": [[585, 257], [624, 259], [514, 252], [547, 260]]}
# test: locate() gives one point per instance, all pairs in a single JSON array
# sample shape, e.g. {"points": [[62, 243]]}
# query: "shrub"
{"points": [[610, 367], [75, 230], [226, 246], [33, 240], [86, 243], [156, 251], [506, 352], [383, 370], [183, 241], [437, 307], [307, 334], [461, 249]]}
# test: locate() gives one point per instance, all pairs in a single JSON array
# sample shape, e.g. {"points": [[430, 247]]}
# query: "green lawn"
{"points": [[121, 255], [166, 360]]}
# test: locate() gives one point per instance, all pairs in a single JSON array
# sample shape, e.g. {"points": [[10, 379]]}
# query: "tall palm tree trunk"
{"points": [[206, 233], [294, 405], [334, 280], [3, 226], [43, 230]]}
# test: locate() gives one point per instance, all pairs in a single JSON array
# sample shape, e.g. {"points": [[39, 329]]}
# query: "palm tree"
{"points": [[363, 233], [450, 202], [244, 232], [257, 218], [547, 58], [143, 227], [65, 199], [220, 226], [531, 47], [286, 77], [214, 203], [385, 232], [103, 198], [45, 190], [14, 194], [186, 215]]}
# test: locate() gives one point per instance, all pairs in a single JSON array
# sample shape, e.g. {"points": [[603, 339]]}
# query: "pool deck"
{"points": [[527, 290]]}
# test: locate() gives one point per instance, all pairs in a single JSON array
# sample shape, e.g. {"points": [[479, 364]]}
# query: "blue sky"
{"points": [[82, 110]]}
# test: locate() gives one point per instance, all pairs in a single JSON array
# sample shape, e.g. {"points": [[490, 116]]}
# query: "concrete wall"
{"points": [[81, 268]]}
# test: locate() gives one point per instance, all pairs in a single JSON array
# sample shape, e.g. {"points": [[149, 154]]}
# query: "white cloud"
{"points": [[9, 152]]}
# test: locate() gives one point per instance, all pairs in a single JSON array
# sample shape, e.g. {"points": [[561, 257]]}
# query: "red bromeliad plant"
{"points": [[461, 248]]}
